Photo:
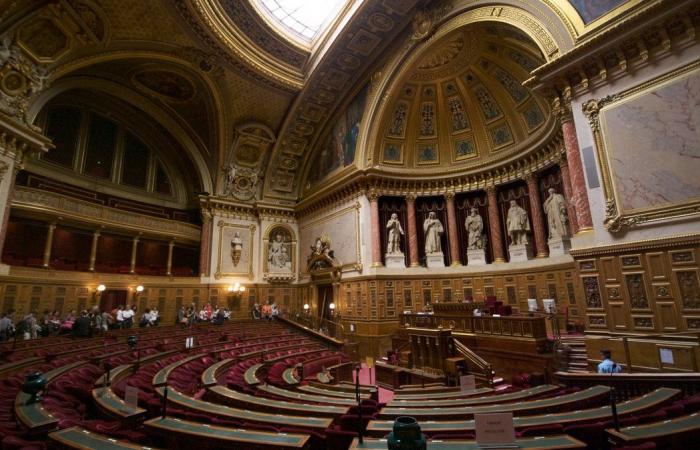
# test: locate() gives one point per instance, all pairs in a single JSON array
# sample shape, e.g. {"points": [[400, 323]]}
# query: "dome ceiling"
{"points": [[463, 105]]}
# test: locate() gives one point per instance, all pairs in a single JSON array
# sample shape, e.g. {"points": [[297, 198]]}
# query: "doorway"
{"points": [[112, 298], [325, 298]]}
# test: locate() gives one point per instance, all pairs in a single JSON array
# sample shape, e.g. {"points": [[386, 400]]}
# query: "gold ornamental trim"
{"points": [[616, 219], [637, 246]]}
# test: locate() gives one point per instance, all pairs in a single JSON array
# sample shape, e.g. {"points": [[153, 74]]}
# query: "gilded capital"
{"points": [[372, 195], [411, 197], [449, 195], [561, 108]]}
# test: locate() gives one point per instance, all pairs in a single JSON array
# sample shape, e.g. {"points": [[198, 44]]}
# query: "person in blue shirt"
{"points": [[608, 365]]}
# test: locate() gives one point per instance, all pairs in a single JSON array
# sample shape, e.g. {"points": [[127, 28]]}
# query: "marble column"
{"points": [[373, 197], [205, 245], [11, 175], [411, 230], [579, 194], [495, 232], [49, 244], [93, 250], [452, 233], [538, 227], [134, 248], [169, 264], [570, 211]]}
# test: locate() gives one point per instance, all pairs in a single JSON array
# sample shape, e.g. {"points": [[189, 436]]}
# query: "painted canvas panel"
{"points": [[590, 10], [653, 144], [338, 150]]}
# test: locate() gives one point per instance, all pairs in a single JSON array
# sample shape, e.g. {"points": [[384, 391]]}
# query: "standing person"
{"points": [[256, 311], [7, 328], [181, 319], [267, 311], [155, 316], [128, 315], [107, 321], [30, 327], [120, 316], [608, 365], [96, 319], [81, 327], [275, 310], [67, 324], [145, 320]]}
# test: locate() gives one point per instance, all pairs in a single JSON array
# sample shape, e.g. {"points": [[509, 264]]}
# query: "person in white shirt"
{"points": [[154, 316], [120, 316], [128, 315]]}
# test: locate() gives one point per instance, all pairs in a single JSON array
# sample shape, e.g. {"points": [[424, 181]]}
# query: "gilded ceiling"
{"points": [[463, 103], [228, 87]]}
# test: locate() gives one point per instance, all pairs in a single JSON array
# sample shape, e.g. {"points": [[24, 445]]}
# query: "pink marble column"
{"points": [[537, 216], [411, 230], [376, 237], [205, 246], [566, 182], [579, 195], [496, 235], [452, 234]]}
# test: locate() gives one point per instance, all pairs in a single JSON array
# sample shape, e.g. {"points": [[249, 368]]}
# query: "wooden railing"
{"points": [[629, 385], [513, 326], [477, 365]]}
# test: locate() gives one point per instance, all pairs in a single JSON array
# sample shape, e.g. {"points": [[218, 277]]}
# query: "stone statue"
{"points": [[433, 229], [278, 255], [517, 223], [393, 246], [475, 227], [236, 248], [230, 178], [555, 209]]}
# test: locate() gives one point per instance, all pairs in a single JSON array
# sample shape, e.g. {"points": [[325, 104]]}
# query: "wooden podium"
{"points": [[430, 347]]}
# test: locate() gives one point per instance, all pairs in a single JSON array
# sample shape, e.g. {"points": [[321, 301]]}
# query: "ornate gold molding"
{"points": [[52, 204], [615, 219]]}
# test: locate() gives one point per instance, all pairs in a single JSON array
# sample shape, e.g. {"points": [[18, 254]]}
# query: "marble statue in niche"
{"points": [[394, 237], [236, 249], [278, 254], [555, 209], [394, 257], [476, 239], [475, 228], [433, 230], [518, 224]]}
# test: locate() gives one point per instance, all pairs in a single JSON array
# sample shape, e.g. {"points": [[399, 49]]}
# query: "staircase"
{"points": [[578, 359]]}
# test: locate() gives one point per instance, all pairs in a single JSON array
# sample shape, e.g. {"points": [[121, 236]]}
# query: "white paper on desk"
{"points": [[131, 396], [467, 383], [666, 355], [494, 429]]}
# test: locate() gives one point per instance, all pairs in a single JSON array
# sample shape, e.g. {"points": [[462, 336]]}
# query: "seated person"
{"points": [[608, 365]]}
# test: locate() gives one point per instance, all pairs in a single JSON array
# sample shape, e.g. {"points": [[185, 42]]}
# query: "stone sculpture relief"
{"points": [[475, 230], [433, 229], [557, 220], [394, 236], [518, 224]]}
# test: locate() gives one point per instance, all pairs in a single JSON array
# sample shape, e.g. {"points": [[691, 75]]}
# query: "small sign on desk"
{"points": [[467, 383], [131, 396], [495, 430]]}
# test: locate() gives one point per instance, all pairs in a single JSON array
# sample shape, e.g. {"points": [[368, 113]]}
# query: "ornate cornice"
{"points": [[643, 245], [17, 140], [373, 180], [655, 31], [50, 204], [211, 206]]}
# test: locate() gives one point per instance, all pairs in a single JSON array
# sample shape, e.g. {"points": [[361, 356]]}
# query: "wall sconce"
{"points": [[236, 290], [98, 292], [137, 292], [306, 308], [332, 308]]}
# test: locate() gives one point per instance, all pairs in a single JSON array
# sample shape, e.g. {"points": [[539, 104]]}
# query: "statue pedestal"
{"points": [[435, 260], [395, 261], [520, 253], [476, 257], [559, 246]]}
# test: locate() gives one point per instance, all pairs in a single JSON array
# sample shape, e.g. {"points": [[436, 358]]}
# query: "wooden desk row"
{"points": [[471, 401], [535, 443], [641, 404]]}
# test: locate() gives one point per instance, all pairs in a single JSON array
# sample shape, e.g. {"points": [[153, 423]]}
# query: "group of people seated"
{"points": [[269, 311], [190, 316], [83, 324]]}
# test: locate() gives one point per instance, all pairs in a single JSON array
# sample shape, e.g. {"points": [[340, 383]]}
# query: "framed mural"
{"points": [[590, 10], [342, 228], [338, 150], [236, 250], [648, 145]]}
